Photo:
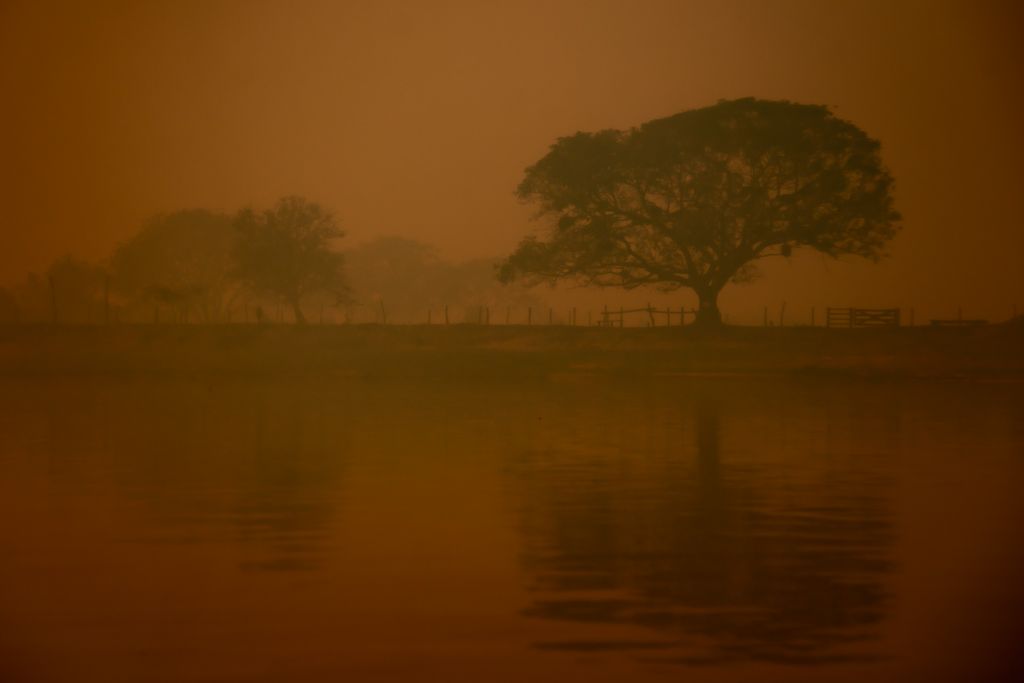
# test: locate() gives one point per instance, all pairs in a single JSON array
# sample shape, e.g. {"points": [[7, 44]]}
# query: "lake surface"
{"points": [[698, 529]]}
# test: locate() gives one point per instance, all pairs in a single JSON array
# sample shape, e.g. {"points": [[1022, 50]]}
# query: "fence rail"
{"points": [[862, 317], [105, 311], [613, 318], [958, 322]]}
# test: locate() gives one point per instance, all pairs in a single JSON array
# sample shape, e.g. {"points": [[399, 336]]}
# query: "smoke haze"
{"points": [[417, 120]]}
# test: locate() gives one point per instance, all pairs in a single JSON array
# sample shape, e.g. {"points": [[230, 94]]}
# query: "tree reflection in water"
{"points": [[729, 546], [258, 465]]}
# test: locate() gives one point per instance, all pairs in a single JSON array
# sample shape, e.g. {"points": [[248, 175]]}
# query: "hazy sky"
{"points": [[418, 118]]}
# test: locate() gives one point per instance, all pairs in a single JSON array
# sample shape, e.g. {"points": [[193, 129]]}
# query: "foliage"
{"points": [[285, 252], [693, 200], [407, 278], [182, 260]]}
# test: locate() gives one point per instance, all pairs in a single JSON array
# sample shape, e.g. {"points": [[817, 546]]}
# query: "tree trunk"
{"points": [[708, 314], [300, 319]]}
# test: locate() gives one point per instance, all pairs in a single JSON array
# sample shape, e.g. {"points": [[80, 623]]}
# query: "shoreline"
{"points": [[993, 352]]}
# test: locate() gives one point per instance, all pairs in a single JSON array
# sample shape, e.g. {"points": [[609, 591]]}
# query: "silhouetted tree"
{"points": [[694, 199], [182, 260], [286, 252]]}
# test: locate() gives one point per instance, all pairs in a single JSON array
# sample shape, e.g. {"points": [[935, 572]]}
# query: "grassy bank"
{"points": [[514, 351]]}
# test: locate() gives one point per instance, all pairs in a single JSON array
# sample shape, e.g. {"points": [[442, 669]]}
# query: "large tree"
{"points": [[286, 252], [693, 200]]}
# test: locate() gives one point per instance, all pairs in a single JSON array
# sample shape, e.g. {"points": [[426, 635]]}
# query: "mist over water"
{"points": [[567, 529]]}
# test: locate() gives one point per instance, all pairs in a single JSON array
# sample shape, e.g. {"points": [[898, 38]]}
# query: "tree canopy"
{"points": [[286, 252], [693, 200]]}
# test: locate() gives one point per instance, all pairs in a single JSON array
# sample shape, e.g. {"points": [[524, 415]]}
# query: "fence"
{"points": [[100, 309], [862, 317], [648, 316], [618, 318]]}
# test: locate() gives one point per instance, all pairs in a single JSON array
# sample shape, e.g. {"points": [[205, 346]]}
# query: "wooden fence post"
{"points": [[529, 315], [53, 300], [782, 314], [446, 314]]}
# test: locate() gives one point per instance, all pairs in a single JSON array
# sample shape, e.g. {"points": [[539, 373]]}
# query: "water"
{"points": [[713, 529]]}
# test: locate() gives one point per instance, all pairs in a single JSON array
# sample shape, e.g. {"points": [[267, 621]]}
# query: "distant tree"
{"points": [[33, 300], [692, 200], [69, 291], [392, 268], [77, 290], [182, 260], [10, 311], [407, 278], [472, 284], [393, 275], [285, 252]]}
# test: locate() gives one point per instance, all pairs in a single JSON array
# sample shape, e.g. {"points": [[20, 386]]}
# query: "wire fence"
{"points": [[104, 311]]}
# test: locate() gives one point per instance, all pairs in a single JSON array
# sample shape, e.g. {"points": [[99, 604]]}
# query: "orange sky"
{"points": [[418, 118]]}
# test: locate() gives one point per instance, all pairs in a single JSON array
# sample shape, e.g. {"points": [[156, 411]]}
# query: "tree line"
{"points": [[194, 265], [204, 266], [691, 201]]}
